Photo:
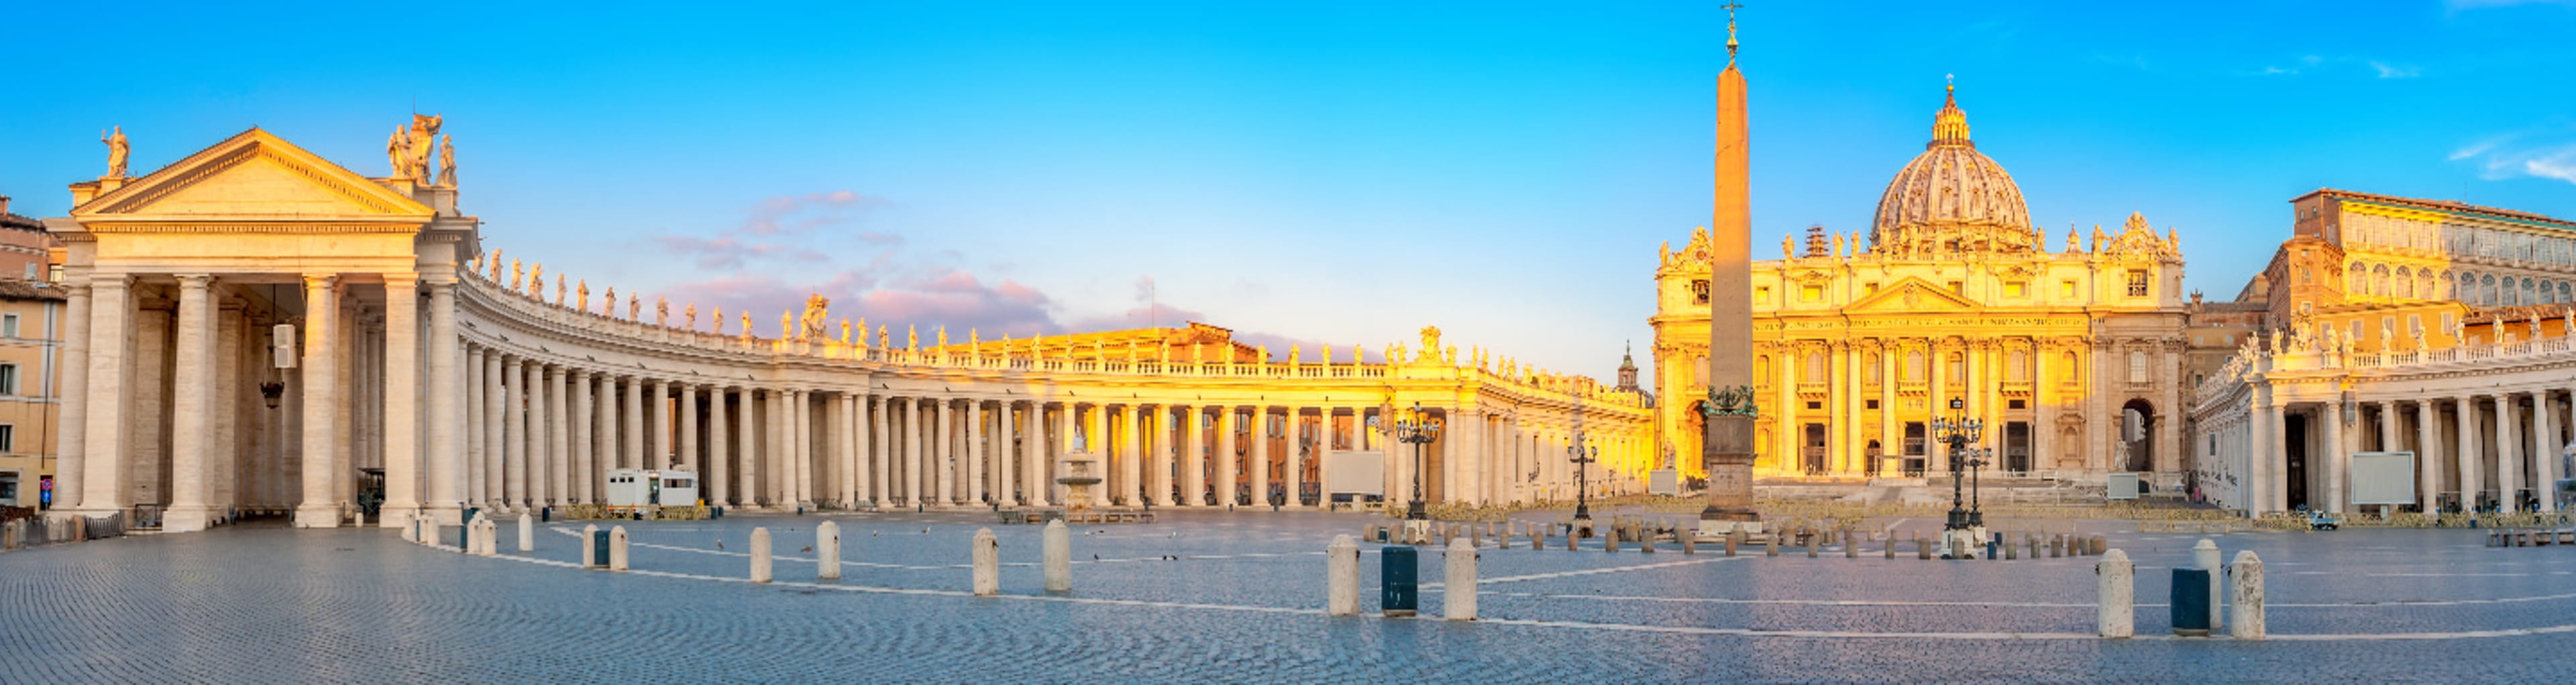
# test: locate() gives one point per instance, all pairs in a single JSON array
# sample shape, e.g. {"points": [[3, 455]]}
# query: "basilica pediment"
{"points": [[1912, 295], [254, 177]]}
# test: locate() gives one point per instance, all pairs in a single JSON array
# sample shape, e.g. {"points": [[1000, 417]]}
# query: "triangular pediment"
{"points": [[1912, 295], [255, 176]]}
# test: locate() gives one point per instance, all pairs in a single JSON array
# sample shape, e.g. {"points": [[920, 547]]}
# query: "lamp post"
{"points": [[1418, 430], [1978, 458], [1957, 433], [1582, 457]]}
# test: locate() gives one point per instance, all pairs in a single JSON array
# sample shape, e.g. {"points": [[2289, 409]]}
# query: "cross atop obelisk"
{"points": [[1727, 445]]}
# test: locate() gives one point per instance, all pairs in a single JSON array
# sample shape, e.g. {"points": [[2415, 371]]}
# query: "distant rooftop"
{"points": [[2447, 206]]}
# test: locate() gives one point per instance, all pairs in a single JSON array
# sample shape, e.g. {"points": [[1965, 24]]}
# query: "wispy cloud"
{"points": [[2387, 70], [2546, 152], [769, 231], [2466, 5]]}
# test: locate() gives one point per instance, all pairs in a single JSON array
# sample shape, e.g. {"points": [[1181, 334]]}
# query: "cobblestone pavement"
{"points": [[1210, 596]]}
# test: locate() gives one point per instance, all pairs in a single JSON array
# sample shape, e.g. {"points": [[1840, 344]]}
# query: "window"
{"points": [[2020, 404], [1811, 293], [1914, 366], [2137, 283], [1958, 289], [2016, 289], [31, 270], [2066, 364], [2016, 366], [1871, 369], [2137, 366], [1699, 292], [2414, 322], [1873, 288], [2449, 319], [8, 438], [1873, 405], [2066, 289], [9, 326], [9, 379], [1815, 368], [1958, 369]]}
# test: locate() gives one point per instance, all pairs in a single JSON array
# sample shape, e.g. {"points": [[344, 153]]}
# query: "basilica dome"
{"points": [[1951, 199]]}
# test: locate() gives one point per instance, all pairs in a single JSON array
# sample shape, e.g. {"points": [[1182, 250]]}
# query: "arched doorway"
{"points": [[2137, 436]]}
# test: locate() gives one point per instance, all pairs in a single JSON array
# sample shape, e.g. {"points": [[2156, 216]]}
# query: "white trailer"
{"points": [[652, 488]]}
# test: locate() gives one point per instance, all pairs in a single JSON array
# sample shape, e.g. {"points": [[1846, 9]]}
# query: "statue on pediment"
{"points": [[787, 325], [424, 132], [818, 310], [537, 280], [634, 307], [662, 312], [398, 152], [943, 335], [495, 263], [518, 273], [692, 314], [560, 290], [718, 319], [884, 342], [975, 340], [745, 318], [1292, 355], [845, 332], [582, 293], [912, 337], [1788, 247], [447, 161], [116, 152]]}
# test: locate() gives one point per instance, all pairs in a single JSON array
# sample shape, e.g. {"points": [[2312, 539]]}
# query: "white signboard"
{"points": [[1354, 472], [2121, 486], [1663, 482], [2383, 478]]}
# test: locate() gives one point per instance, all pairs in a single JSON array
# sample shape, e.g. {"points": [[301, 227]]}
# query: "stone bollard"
{"points": [[1460, 603], [2204, 556], [2033, 541], [1690, 540], [2011, 551], [1889, 549], [2245, 621], [590, 552], [488, 543], [2118, 613], [1504, 539], [1569, 540], [527, 532], [1610, 543], [988, 563], [617, 548], [1058, 549], [1922, 549], [2056, 546], [1771, 544], [1734, 539], [1812, 540], [1476, 536], [2100, 545], [760, 555], [1851, 546], [827, 551], [1342, 577]]}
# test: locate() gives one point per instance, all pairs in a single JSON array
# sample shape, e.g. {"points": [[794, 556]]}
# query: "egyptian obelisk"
{"points": [[1727, 448]]}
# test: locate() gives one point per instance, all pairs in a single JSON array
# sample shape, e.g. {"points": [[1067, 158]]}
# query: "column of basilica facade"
{"points": [[260, 330]]}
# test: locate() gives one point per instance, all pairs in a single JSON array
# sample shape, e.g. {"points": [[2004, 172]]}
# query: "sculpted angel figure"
{"points": [[692, 314], [818, 311]]}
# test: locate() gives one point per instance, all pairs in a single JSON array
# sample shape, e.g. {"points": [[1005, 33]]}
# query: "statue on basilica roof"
{"points": [[692, 317], [116, 152], [447, 161]]}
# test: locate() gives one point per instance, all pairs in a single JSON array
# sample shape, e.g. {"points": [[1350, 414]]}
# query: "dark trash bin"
{"points": [[1399, 576], [2190, 602]]}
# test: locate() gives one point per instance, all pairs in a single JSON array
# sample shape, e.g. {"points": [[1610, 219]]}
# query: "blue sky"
{"points": [[1298, 171]]}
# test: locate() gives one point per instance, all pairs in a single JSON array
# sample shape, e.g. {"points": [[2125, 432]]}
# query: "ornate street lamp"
{"points": [[1419, 429], [1582, 457], [1957, 434], [1978, 457]]}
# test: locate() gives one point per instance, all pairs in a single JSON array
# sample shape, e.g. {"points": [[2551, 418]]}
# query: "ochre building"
{"points": [[2073, 356]]}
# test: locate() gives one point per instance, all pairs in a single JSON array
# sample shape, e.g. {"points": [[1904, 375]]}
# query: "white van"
{"points": [[650, 488]]}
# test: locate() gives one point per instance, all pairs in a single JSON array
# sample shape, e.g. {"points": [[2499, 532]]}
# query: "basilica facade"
{"points": [[1952, 306]]}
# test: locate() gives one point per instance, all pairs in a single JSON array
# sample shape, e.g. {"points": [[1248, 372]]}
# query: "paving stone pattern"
{"points": [[1240, 600]]}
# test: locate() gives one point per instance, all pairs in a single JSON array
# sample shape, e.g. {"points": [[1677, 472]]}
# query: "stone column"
{"points": [[2508, 436], [540, 431], [604, 449], [943, 452], [402, 415], [2543, 457], [1006, 449], [631, 425], [2264, 477], [322, 448], [718, 476], [2428, 472], [916, 482], [1727, 443], [195, 363], [2338, 458], [73, 391], [558, 436], [579, 430], [477, 430], [1261, 455], [495, 431], [1194, 457], [657, 423], [687, 407], [879, 458], [1226, 474], [778, 475], [746, 455], [974, 451], [1052, 446], [1841, 420], [2472, 456], [1098, 438], [514, 428], [101, 481], [1033, 462]]}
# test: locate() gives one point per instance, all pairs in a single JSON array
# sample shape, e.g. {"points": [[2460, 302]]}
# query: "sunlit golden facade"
{"points": [[2071, 357]]}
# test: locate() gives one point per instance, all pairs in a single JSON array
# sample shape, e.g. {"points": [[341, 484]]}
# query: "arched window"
{"points": [[1873, 371], [2486, 291], [1914, 366], [2017, 366], [2562, 292], [1958, 368], [2067, 366], [2467, 290], [2405, 282], [1762, 367], [2523, 296], [2379, 281], [2357, 279], [2424, 284], [1815, 368]]}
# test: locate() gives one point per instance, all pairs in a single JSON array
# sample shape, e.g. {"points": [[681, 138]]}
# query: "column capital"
{"points": [[405, 279], [117, 280], [195, 281], [313, 281]]}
